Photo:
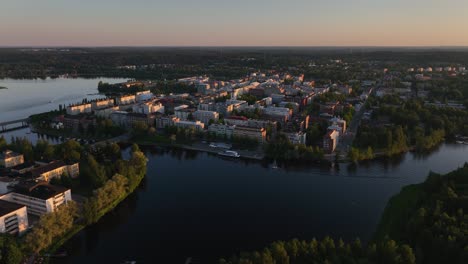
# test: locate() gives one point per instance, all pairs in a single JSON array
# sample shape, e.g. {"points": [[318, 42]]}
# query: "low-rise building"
{"points": [[39, 197], [10, 159], [13, 218]]}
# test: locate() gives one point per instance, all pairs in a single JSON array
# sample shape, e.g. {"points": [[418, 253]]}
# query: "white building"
{"points": [[102, 103], [13, 218], [283, 112], [221, 130], [38, 197], [297, 137], [55, 169], [106, 112], [197, 125], [148, 108], [143, 96], [184, 114], [206, 116], [79, 109], [125, 99]]}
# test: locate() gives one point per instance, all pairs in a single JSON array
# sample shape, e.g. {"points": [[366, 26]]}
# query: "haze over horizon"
{"points": [[96, 23]]}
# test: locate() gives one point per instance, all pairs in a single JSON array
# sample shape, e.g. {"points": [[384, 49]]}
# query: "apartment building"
{"points": [[125, 99], [39, 197], [79, 109], [221, 130], [206, 116], [258, 134], [10, 159], [330, 141], [102, 103], [13, 218], [55, 169]]}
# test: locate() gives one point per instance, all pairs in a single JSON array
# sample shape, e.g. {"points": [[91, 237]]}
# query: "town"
{"points": [[267, 115]]}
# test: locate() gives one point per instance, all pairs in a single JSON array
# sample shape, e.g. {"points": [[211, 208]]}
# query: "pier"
{"points": [[13, 125]]}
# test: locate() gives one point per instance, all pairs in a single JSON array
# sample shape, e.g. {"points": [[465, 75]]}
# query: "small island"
{"points": [[3, 87]]}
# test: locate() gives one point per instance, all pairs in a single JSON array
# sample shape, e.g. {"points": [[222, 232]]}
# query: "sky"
{"points": [[233, 23]]}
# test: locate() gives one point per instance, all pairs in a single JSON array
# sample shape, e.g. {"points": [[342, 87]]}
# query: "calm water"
{"points": [[26, 97], [202, 206], [205, 207]]}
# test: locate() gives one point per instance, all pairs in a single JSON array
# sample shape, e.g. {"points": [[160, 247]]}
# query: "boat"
{"points": [[229, 153], [275, 165], [460, 142], [221, 145]]}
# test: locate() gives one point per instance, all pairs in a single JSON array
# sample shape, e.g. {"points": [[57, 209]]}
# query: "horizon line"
{"points": [[231, 46]]}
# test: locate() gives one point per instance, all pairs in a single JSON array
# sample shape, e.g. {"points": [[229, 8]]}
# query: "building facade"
{"points": [[258, 134], [79, 109], [13, 218], [10, 159], [330, 141], [39, 197]]}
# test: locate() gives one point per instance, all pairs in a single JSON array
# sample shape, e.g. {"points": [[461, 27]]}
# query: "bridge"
{"points": [[13, 125]]}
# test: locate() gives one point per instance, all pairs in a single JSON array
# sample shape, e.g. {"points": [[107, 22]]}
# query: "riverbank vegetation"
{"points": [[282, 149], [397, 126], [432, 217], [327, 251], [425, 223], [105, 179]]}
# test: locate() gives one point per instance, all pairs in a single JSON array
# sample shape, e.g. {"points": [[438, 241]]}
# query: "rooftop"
{"points": [[46, 168], [7, 207], [8, 154], [41, 190]]}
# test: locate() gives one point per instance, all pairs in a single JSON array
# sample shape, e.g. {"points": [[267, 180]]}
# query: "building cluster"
{"points": [[257, 107], [25, 189]]}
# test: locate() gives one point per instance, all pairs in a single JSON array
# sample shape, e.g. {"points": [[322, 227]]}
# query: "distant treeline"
{"points": [[221, 63]]}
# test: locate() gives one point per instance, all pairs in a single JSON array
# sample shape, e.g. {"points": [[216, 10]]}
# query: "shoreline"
{"points": [[80, 227]]}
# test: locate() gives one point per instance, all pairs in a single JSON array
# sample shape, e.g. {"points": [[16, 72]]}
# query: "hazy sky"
{"points": [[234, 22]]}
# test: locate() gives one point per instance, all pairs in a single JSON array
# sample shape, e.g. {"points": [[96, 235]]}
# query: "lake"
{"points": [[26, 97], [202, 206]]}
